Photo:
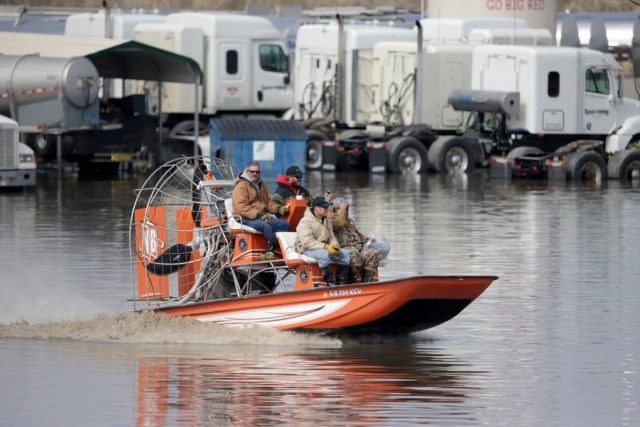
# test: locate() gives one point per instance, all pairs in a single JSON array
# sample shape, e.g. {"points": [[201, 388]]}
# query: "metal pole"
{"points": [[107, 19], [196, 122], [417, 85], [159, 147], [58, 151], [340, 71]]}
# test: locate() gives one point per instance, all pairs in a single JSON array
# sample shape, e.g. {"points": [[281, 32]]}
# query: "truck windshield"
{"points": [[272, 58], [597, 81]]}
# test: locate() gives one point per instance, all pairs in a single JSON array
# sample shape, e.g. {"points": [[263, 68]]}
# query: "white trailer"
{"points": [[571, 114], [112, 24], [17, 160], [334, 68]]}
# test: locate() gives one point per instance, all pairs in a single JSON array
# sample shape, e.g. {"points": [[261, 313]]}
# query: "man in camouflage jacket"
{"points": [[362, 258]]}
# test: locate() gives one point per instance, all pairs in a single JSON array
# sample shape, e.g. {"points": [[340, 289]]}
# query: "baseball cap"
{"points": [[321, 202], [294, 171]]}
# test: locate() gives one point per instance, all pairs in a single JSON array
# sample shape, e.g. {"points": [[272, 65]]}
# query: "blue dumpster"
{"points": [[275, 144]]}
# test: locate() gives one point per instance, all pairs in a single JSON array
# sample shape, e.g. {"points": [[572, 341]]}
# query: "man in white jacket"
{"points": [[315, 239]]}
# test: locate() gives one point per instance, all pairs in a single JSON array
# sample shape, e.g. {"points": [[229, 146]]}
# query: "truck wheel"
{"points": [[43, 145], [407, 155], [314, 151], [452, 155], [586, 166], [625, 165]]}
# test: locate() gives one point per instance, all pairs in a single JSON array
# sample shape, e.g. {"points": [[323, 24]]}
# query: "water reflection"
{"points": [[349, 386]]}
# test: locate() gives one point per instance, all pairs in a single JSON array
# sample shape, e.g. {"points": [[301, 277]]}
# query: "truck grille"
{"points": [[8, 147]]}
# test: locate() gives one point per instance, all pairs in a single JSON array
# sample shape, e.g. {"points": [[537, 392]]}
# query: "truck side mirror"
{"points": [[287, 79], [620, 82]]}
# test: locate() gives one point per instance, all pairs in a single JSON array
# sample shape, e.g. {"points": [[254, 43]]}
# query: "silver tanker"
{"points": [[61, 116], [49, 93]]}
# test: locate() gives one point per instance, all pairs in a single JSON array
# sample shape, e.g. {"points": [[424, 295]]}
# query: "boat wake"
{"points": [[149, 328]]}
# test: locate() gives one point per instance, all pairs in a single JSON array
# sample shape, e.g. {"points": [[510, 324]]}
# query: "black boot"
{"points": [[368, 276], [327, 274], [351, 275], [341, 274], [268, 252]]}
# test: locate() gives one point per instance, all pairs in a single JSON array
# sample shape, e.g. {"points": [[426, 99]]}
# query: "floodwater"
{"points": [[554, 342]]}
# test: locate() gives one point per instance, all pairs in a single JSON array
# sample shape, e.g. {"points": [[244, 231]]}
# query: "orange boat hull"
{"points": [[388, 307]]}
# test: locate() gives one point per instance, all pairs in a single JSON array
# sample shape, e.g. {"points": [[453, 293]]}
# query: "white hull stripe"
{"points": [[278, 316]]}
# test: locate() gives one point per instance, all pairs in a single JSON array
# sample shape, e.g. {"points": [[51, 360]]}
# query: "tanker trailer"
{"points": [[56, 100]]}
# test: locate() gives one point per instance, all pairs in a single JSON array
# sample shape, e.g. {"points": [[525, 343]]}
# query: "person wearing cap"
{"points": [[315, 239], [290, 186], [250, 199], [362, 258]]}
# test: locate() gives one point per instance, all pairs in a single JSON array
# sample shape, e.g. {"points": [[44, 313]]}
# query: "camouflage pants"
{"points": [[365, 258]]}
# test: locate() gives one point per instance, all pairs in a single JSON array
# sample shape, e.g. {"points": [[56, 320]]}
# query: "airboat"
{"points": [[191, 256]]}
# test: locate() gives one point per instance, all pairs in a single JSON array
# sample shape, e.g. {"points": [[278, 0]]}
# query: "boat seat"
{"points": [[235, 225], [287, 241]]}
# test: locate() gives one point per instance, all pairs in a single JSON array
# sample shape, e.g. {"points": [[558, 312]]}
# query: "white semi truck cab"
{"points": [[571, 112], [244, 61], [17, 160]]}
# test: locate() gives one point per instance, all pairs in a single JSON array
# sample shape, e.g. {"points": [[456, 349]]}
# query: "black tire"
{"points": [[407, 155], [452, 155], [625, 166], [43, 145], [523, 151], [314, 151], [586, 166]]}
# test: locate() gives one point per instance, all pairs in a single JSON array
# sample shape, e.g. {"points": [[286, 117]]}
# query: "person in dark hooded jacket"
{"points": [[289, 186]]}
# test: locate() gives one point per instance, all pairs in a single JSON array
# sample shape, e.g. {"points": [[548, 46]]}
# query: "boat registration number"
{"points": [[345, 292]]}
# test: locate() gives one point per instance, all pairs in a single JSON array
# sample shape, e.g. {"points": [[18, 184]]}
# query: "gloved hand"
{"points": [[264, 216], [334, 250], [282, 210]]}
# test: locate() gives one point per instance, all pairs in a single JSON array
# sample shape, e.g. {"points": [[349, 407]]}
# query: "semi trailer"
{"points": [[60, 116]]}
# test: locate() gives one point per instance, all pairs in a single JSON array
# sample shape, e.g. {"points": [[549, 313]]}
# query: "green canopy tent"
{"points": [[137, 61]]}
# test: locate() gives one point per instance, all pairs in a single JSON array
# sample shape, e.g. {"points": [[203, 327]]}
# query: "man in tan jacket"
{"points": [[315, 239], [251, 202]]}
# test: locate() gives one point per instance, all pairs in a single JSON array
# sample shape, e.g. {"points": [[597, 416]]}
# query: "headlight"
{"points": [[26, 158]]}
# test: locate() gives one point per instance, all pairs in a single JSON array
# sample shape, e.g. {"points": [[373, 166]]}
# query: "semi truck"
{"points": [[547, 111], [17, 160], [245, 67], [376, 98], [244, 60]]}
